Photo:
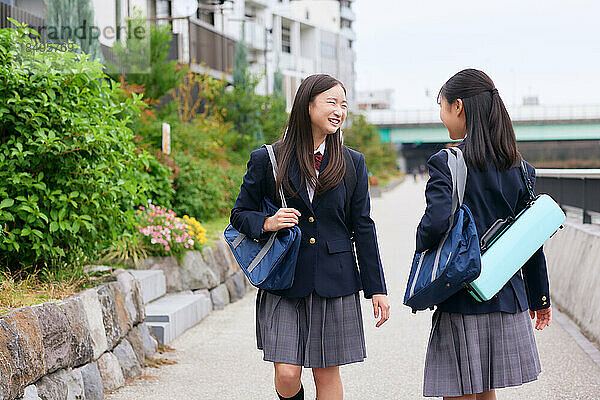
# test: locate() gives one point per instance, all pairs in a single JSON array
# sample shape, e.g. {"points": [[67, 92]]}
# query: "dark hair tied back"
{"points": [[490, 134]]}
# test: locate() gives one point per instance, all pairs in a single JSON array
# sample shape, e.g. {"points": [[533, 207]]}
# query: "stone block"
{"points": [[127, 359], [12, 362], [196, 273], [49, 388], [137, 343], [133, 299], [81, 341], [219, 297], [114, 314], [122, 315], [57, 336], [171, 315], [224, 256], [64, 384], [170, 268], [93, 311], [150, 343], [31, 393], [110, 371], [202, 292], [219, 269], [25, 323], [152, 284], [236, 286], [92, 381]]}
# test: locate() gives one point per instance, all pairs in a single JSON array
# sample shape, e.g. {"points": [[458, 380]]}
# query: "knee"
{"points": [[325, 375], [288, 374]]}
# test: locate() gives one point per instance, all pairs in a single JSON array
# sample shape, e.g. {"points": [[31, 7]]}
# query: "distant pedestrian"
{"points": [[474, 347], [317, 323]]}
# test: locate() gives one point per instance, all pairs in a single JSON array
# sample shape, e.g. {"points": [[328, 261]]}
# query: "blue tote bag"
{"points": [[438, 273], [269, 264]]}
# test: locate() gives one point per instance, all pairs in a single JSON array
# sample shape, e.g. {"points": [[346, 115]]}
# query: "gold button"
{"points": [[544, 303], [312, 240], [543, 298], [311, 219]]}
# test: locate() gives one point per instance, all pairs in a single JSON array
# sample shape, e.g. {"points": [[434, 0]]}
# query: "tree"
{"points": [[72, 20], [143, 59]]}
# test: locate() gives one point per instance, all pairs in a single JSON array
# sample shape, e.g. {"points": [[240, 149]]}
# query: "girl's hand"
{"points": [[544, 316], [283, 218], [380, 301]]}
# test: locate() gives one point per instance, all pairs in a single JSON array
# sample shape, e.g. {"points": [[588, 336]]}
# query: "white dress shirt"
{"points": [[311, 191]]}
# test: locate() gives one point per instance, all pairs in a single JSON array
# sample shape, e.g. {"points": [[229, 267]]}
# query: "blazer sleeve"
{"points": [[365, 236], [246, 215], [438, 195], [535, 272]]}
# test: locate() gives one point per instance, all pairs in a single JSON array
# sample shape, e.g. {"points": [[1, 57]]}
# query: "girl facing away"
{"points": [[475, 348]]}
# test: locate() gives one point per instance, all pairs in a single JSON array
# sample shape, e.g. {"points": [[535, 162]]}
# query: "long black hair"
{"points": [[490, 134], [298, 142]]}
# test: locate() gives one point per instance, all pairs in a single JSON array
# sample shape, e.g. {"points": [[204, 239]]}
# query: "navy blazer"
{"points": [[327, 266], [490, 195]]}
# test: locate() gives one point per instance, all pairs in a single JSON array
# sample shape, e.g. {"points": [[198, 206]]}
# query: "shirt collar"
{"points": [[321, 148]]}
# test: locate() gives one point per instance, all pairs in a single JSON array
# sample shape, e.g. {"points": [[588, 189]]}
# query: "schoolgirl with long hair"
{"points": [[475, 348], [317, 323]]}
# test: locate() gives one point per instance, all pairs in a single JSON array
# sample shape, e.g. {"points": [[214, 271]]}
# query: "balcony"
{"points": [[287, 61], [348, 33], [254, 35], [347, 13], [306, 65], [7, 11], [258, 3]]}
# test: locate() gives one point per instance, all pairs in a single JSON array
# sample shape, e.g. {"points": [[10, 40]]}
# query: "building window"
{"points": [[346, 23], [286, 43], [345, 3], [205, 16]]}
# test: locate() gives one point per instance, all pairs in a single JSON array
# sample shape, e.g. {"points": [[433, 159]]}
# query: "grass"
{"points": [[214, 228], [20, 288]]}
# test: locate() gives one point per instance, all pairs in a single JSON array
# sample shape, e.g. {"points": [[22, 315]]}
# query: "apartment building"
{"points": [[297, 38]]}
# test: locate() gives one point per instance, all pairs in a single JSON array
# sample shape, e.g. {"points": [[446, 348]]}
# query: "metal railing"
{"points": [[7, 11], [579, 188]]}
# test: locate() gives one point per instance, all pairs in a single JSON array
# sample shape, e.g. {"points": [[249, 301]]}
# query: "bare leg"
{"points": [[465, 397], [287, 379], [328, 383], [489, 395]]}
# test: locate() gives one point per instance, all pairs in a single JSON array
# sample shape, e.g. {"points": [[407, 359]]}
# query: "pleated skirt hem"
{"points": [[314, 332], [470, 354]]}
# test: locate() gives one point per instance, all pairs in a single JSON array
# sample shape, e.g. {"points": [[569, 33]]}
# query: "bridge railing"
{"points": [[578, 188]]}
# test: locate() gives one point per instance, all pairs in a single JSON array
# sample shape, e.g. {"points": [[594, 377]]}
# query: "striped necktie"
{"points": [[318, 159]]}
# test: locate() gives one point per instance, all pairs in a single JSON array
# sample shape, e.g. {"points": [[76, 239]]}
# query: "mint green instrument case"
{"points": [[509, 243]]}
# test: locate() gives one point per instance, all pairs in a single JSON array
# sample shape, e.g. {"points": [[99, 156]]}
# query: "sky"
{"points": [[549, 49]]}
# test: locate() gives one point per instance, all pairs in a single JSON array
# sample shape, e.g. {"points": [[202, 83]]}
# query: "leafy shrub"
{"points": [[68, 167]]}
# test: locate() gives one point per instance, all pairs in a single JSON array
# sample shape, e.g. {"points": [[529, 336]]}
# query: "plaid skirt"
{"points": [[312, 331], [475, 353]]}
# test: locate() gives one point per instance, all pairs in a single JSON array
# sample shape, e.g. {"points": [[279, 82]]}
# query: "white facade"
{"points": [[375, 99]]}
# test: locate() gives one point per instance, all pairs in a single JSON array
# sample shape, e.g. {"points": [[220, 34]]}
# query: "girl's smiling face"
{"points": [[453, 117], [328, 110]]}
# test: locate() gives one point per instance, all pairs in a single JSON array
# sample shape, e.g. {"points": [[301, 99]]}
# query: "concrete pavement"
{"points": [[218, 358]]}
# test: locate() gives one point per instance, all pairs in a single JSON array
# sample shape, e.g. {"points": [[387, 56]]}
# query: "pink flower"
{"points": [[167, 248]]}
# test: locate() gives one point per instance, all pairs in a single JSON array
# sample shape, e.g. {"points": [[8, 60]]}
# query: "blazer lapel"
{"points": [[296, 179]]}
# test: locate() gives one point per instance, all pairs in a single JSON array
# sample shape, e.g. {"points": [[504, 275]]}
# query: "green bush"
{"points": [[69, 169], [204, 189]]}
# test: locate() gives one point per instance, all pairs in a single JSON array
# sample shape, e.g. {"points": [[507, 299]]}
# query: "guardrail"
{"points": [[579, 188]]}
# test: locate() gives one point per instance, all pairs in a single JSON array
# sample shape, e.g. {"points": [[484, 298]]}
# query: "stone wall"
{"points": [[573, 256], [77, 348], [212, 271]]}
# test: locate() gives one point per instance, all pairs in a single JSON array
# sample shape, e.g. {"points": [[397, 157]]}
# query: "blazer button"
{"points": [[312, 241], [543, 298], [544, 303], [311, 219]]}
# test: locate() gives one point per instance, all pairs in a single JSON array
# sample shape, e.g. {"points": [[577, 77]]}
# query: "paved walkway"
{"points": [[218, 359]]}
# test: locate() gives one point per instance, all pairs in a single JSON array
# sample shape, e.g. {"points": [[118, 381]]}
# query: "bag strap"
{"points": [[526, 180], [458, 172], [350, 183], [274, 165]]}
